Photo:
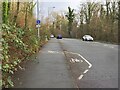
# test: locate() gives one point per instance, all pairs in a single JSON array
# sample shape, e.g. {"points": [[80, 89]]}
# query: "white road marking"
{"points": [[90, 65], [77, 60], [109, 46], [72, 60], [86, 71], [50, 51], [105, 45], [80, 77], [55, 52]]}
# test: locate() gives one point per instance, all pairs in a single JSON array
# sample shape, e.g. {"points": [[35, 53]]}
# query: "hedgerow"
{"points": [[17, 46]]}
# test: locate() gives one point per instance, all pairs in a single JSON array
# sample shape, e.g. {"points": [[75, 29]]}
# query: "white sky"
{"points": [[60, 5]]}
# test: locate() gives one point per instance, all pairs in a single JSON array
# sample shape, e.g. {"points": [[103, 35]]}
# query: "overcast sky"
{"points": [[60, 5]]}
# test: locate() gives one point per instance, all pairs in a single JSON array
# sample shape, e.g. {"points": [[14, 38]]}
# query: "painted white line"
{"points": [[54, 52], [80, 77], [90, 65], [72, 60], [77, 60], [111, 47], [85, 71], [105, 45]]}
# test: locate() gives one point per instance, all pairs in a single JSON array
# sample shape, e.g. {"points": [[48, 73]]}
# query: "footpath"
{"points": [[48, 70]]}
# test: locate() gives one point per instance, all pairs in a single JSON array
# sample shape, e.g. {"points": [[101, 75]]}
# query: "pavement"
{"points": [[71, 63], [48, 70]]}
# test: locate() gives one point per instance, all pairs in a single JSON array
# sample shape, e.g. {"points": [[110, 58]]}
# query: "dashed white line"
{"points": [[90, 65], [85, 71], [80, 77]]}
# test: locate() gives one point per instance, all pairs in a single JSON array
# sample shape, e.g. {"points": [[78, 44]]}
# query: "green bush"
{"points": [[15, 50]]}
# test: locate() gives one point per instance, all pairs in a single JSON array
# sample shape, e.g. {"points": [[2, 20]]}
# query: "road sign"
{"points": [[38, 26], [38, 21]]}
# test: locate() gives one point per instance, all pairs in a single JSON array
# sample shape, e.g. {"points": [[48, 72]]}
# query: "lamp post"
{"points": [[49, 12]]}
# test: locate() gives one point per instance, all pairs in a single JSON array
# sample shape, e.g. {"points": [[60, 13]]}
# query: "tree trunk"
{"points": [[26, 14], [107, 7], [119, 22], [70, 29], [17, 11]]}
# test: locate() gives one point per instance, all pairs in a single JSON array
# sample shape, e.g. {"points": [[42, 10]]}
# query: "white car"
{"points": [[51, 36], [87, 38]]}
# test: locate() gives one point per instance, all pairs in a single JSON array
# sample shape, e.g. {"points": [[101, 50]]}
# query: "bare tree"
{"points": [[17, 11], [119, 20]]}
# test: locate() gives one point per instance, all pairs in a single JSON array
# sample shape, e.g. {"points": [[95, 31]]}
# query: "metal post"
{"points": [[38, 32], [49, 12], [38, 18]]}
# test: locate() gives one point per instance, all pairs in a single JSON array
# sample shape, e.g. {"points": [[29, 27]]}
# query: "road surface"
{"points": [[102, 59], [71, 63]]}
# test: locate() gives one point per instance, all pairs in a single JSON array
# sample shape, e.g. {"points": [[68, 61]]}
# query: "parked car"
{"points": [[51, 36], [87, 38], [59, 36]]}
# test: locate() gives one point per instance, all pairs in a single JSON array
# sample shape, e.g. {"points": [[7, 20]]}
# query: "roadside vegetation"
{"points": [[19, 37], [19, 34], [100, 20]]}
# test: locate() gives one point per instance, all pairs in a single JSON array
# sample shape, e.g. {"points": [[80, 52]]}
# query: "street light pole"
{"points": [[49, 14]]}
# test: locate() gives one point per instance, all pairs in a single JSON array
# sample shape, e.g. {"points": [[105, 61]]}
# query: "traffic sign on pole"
{"points": [[38, 21], [37, 25]]}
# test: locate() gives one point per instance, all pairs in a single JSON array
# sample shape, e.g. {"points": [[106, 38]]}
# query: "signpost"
{"points": [[38, 21], [38, 26]]}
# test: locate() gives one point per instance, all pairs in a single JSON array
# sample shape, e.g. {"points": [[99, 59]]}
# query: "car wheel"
{"points": [[85, 39]]}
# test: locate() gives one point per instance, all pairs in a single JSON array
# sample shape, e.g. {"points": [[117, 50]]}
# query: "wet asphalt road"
{"points": [[104, 60], [71, 63]]}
